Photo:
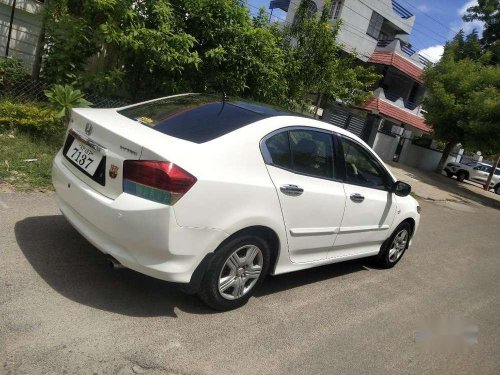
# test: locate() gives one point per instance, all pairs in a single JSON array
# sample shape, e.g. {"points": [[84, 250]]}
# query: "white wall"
{"points": [[25, 31], [385, 146], [356, 16], [421, 157]]}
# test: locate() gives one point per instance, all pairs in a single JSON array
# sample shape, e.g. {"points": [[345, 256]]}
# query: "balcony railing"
{"points": [[400, 10], [395, 98], [407, 50]]}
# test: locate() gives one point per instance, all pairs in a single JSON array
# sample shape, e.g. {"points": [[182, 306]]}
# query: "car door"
{"points": [[480, 173], [302, 166], [370, 206]]}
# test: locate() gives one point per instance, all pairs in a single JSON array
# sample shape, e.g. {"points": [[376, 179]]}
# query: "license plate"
{"points": [[84, 157]]}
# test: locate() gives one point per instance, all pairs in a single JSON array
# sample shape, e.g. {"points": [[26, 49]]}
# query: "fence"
{"points": [[27, 90]]}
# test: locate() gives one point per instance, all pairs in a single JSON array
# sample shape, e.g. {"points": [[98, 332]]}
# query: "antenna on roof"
{"points": [[225, 98]]}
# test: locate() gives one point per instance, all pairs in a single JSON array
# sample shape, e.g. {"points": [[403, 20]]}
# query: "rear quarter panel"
{"points": [[234, 190]]}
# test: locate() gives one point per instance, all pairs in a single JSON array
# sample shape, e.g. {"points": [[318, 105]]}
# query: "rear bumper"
{"points": [[142, 235]]}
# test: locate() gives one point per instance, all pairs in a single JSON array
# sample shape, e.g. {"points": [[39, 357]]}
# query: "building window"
{"points": [[311, 10], [335, 9], [375, 25]]}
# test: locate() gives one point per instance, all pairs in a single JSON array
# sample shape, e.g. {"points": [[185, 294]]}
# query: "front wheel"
{"points": [[461, 176], [449, 174], [394, 247], [237, 270]]}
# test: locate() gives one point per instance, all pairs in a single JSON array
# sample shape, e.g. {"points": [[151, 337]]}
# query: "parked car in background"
{"points": [[474, 171], [214, 194]]}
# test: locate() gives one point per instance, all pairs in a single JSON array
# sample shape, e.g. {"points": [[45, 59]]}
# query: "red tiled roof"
{"points": [[397, 61], [389, 110]]}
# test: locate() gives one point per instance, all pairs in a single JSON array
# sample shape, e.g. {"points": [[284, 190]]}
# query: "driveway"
{"points": [[63, 310], [435, 187]]}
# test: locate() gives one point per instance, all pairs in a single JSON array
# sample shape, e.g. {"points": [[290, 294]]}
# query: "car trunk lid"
{"points": [[97, 143]]}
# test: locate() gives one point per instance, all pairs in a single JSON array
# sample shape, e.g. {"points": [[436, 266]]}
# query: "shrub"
{"points": [[12, 70], [64, 99], [32, 118]]}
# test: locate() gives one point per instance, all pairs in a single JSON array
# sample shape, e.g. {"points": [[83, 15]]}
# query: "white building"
{"points": [[378, 32]]}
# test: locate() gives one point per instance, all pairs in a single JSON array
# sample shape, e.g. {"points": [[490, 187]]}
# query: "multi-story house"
{"points": [[378, 32]]}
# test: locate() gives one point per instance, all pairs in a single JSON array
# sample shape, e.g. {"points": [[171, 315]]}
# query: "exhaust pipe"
{"points": [[115, 264]]}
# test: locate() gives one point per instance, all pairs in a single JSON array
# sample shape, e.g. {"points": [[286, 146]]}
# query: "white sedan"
{"points": [[215, 194]]}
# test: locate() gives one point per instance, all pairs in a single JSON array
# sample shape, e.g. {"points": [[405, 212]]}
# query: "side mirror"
{"points": [[477, 168], [401, 189]]}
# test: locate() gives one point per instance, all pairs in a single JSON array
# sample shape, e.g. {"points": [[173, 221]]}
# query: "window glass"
{"points": [[361, 168], [279, 149], [375, 25], [197, 117], [335, 9], [312, 153]]}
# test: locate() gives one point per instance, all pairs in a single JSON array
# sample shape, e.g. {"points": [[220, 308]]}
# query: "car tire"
{"points": [[236, 271], [394, 247], [497, 189], [449, 174], [461, 176]]}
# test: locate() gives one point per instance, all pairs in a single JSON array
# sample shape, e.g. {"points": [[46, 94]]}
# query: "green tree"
{"points": [[487, 11], [140, 44], [238, 55], [462, 98], [317, 63]]}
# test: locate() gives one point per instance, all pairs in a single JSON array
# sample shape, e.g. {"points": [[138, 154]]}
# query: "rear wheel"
{"points": [[497, 189], [394, 247], [461, 176], [237, 270]]}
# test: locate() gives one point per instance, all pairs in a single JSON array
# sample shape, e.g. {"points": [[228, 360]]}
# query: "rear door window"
{"points": [[306, 152]]}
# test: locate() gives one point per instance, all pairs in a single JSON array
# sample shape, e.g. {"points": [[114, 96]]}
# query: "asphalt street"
{"points": [[63, 310]]}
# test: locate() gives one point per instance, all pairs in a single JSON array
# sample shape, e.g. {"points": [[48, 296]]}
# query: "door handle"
{"points": [[358, 198], [291, 189]]}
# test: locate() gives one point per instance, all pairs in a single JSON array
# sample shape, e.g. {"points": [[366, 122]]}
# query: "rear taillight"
{"points": [[158, 181]]}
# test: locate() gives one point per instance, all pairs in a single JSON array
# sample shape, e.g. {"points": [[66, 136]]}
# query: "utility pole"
{"points": [[493, 170], [10, 27]]}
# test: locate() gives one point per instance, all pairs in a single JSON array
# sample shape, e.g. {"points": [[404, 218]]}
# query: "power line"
{"points": [[428, 16]]}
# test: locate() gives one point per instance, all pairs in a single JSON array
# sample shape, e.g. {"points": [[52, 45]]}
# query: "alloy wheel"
{"points": [[240, 272], [398, 245]]}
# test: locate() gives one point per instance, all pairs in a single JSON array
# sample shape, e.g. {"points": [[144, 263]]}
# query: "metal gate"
{"points": [[346, 120]]}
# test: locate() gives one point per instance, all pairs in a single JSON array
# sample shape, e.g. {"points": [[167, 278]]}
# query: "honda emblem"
{"points": [[88, 128]]}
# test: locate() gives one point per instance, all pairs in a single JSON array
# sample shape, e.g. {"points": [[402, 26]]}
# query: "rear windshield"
{"points": [[198, 118]]}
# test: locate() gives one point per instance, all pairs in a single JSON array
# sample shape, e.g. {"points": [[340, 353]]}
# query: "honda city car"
{"points": [[215, 194]]}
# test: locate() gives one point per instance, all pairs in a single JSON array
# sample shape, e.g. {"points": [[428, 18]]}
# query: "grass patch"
{"points": [[16, 149]]}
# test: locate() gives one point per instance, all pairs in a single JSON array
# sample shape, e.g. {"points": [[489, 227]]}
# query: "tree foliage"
{"points": [[462, 102], [317, 63], [134, 41], [487, 11], [148, 48]]}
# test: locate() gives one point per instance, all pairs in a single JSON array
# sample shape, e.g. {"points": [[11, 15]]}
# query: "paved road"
{"points": [[62, 310]]}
